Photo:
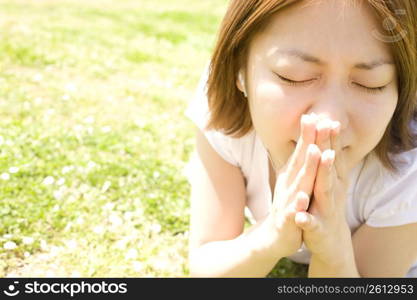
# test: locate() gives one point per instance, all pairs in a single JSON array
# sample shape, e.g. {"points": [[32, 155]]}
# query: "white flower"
{"points": [[98, 229], [131, 254], [78, 127], [89, 120], [121, 244], [67, 169], [156, 228], [70, 87], [106, 129], [109, 206], [58, 194], [106, 186], [75, 274], [72, 244], [5, 176], [44, 245], [84, 188], [38, 77], [9, 245], [128, 215], [38, 100], [48, 180], [138, 266], [49, 273], [61, 181], [65, 97], [80, 221], [115, 220], [91, 165], [13, 170], [54, 250], [130, 99], [27, 240], [160, 263]]}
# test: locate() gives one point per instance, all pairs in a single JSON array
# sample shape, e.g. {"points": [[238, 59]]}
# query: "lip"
{"points": [[295, 144]]}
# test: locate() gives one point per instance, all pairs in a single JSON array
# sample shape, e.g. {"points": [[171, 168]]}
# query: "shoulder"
{"points": [[235, 151], [390, 199]]}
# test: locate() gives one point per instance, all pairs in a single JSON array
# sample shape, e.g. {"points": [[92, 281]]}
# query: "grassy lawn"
{"points": [[93, 139]]}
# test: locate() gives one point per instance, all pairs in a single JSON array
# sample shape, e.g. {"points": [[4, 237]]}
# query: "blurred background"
{"points": [[93, 137]]}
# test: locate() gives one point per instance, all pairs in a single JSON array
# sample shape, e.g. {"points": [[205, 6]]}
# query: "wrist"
{"points": [[335, 246], [279, 238], [343, 266], [265, 239]]}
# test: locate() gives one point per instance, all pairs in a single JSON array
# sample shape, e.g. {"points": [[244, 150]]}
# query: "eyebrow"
{"points": [[309, 58]]}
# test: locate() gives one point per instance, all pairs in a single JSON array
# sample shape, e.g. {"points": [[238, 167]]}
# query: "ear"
{"points": [[240, 82]]}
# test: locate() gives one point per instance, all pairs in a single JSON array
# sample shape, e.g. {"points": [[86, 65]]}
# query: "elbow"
{"points": [[197, 268]]}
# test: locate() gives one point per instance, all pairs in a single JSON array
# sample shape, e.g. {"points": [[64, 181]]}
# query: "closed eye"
{"points": [[367, 89], [372, 90], [292, 82]]}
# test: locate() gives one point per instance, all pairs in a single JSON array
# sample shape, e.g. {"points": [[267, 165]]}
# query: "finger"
{"points": [[324, 128], [307, 222], [323, 188], [307, 175], [340, 164], [301, 202], [307, 136]]}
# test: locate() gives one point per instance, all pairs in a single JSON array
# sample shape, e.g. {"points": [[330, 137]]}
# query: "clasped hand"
{"points": [[311, 191]]}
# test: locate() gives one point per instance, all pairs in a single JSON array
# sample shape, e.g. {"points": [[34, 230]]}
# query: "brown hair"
{"points": [[243, 19]]}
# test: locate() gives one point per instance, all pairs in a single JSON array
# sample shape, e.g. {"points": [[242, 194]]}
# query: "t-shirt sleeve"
{"points": [[396, 202], [198, 112]]}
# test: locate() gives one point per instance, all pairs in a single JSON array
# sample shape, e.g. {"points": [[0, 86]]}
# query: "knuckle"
{"points": [[302, 195], [289, 216], [323, 192]]}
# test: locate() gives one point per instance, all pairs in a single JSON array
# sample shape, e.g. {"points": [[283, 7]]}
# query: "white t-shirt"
{"points": [[375, 197]]}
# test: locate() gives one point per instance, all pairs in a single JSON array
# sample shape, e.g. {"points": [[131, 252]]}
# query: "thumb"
{"points": [[307, 221]]}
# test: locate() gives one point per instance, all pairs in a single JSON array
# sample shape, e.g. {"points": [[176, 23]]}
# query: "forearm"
{"points": [[240, 257]]}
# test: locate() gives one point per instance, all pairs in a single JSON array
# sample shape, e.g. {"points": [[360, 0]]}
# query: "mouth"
{"points": [[295, 144]]}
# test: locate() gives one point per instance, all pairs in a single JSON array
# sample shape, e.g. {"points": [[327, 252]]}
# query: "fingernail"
{"points": [[328, 155], [302, 218], [335, 124], [332, 155], [305, 119], [326, 123], [311, 148], [313, 117]]}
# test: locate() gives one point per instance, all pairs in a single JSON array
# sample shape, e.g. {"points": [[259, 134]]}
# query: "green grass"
{"points": [[93, 138]]}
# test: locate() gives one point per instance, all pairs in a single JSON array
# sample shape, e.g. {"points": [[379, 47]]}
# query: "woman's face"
{"points": [[330, 49]]}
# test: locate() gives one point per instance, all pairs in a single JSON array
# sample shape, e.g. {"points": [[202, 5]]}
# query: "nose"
{"points": [[332, 108]]}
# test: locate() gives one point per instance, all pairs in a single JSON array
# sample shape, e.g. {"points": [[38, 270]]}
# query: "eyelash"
{"points": [[369, 90]]}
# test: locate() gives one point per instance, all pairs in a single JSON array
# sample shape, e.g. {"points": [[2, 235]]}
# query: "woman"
{"points": [[307, 120]]}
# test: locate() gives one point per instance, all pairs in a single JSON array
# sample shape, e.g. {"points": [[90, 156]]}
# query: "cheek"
{"points": [[270, 108], [273, 114], [372, 120]]}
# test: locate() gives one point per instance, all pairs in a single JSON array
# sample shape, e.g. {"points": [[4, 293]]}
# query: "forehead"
{"points": [[332, 28]]}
